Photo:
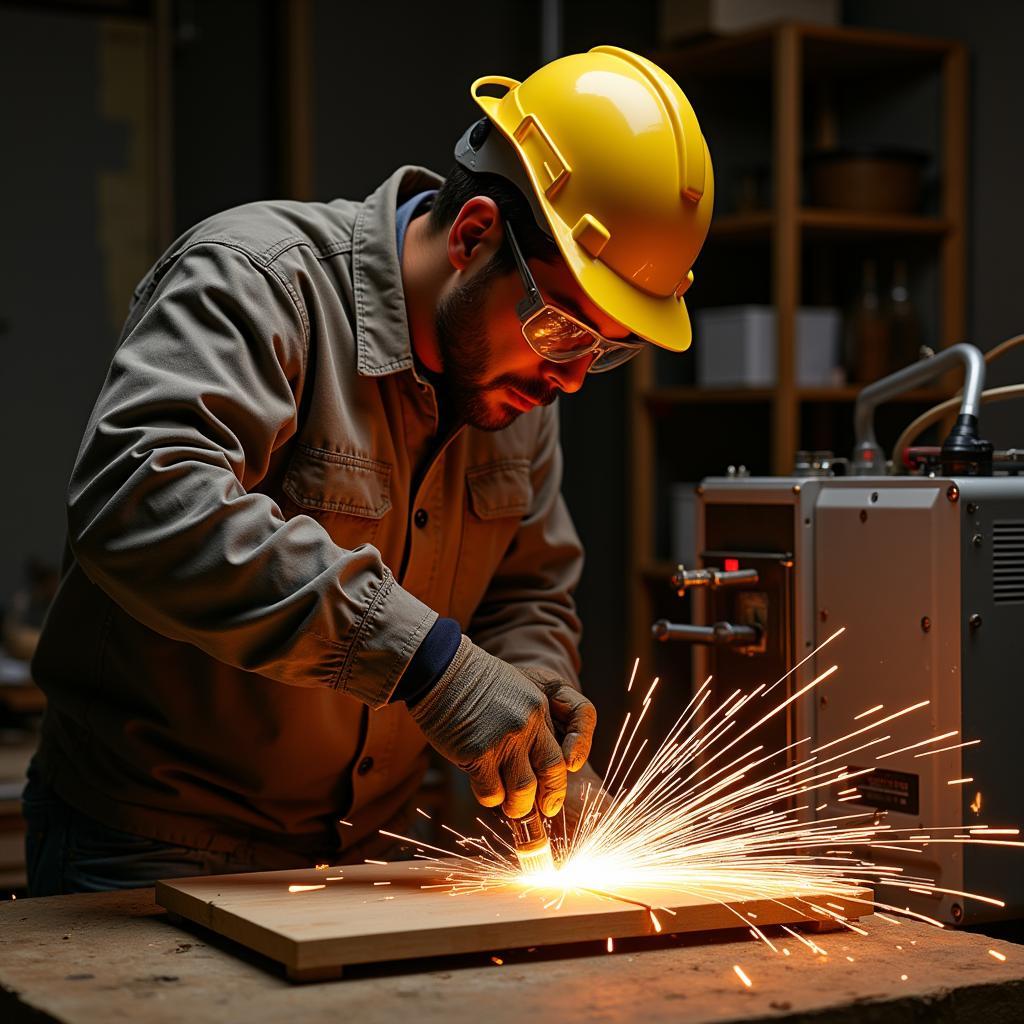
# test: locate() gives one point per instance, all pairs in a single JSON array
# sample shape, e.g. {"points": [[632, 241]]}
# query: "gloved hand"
{"points": [[490, 719], [574, 716]]}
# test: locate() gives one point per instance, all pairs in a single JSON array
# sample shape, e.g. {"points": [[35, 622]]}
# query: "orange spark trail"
{"points": [[706, 814]]}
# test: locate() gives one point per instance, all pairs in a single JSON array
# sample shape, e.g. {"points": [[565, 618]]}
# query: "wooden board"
{"points": [[354, 921]]}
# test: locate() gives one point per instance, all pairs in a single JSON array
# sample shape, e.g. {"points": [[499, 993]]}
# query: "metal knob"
{"points": [[721, 634], [685, 579]]}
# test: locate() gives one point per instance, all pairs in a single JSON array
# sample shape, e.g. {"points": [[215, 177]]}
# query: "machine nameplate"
{"points": [[888, 790]]}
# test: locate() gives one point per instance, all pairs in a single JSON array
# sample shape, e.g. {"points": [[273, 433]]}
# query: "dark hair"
{"points": [[461, 185]]}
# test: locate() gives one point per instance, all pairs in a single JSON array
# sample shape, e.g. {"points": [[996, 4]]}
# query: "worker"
{"points": [[315, 521]]}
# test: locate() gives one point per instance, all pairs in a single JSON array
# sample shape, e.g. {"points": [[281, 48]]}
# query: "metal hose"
{"points": [[936, 412], [868, 456]]}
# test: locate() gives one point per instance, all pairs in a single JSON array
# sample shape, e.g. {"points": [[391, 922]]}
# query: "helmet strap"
{"points": [[484, 150]]}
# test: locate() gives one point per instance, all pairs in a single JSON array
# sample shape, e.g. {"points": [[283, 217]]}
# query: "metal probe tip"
{"points": [[533, 848]]}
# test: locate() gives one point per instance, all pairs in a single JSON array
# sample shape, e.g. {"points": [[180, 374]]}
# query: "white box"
{"points": [[736, 346], [680, 19]]}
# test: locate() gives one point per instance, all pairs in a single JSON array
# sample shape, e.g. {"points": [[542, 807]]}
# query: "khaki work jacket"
{"points": [[262, 528]]}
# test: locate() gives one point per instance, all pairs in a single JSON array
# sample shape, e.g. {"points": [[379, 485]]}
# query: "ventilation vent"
{"points": [[1008, 561]]}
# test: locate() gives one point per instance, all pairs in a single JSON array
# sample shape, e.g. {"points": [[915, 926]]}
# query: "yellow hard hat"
{"points": [[622, 175]]}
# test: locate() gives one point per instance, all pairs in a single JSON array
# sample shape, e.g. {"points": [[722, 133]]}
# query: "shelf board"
{"points": [[754, 225], [662, 397], [658, 398], [821, 221], [828, 52], [849, 393], [825, 223]]}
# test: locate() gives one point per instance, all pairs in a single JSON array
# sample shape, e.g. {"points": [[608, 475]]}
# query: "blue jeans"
{"points": [[66, 851]]}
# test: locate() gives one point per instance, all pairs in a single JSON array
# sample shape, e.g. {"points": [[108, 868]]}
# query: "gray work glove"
{"points": [[574, 716], [492, 721]]}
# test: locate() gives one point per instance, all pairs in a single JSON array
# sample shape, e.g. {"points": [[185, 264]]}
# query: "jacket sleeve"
{"points": [[162, 511], [527, 615]]}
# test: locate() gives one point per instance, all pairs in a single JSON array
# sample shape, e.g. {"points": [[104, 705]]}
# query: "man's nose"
{"points": [[568, 377]]}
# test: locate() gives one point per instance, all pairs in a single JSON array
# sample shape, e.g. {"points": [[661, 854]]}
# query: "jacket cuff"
{"points": [[386, 638], [429, 662]]}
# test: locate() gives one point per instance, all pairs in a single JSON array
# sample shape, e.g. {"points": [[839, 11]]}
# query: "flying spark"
{"points": [[710, 814]]}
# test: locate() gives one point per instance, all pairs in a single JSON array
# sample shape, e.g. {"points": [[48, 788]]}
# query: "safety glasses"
{"points": [[557, 335]]}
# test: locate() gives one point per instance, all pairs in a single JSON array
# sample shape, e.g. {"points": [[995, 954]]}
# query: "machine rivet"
{"points": [[823, 615], [874, 496], [972, 507], [926, 624], [974, 621], [958, 912], [976, 540], [953, 492], [824, 701], [796, 488], [863, 515]]}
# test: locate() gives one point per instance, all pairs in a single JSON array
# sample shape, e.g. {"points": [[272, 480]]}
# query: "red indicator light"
{"points": [[732, 564]]}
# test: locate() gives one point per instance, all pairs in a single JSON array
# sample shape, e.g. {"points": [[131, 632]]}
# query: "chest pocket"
{"points": [[498, 496], [348, 494]]}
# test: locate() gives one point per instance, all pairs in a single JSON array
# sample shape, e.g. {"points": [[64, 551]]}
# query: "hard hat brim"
{"points": [[661, 320]]}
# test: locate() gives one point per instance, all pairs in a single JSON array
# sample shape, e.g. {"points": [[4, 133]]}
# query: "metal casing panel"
{"points": [[887, 566], [798, 495], [914, 555], [992, 556]]}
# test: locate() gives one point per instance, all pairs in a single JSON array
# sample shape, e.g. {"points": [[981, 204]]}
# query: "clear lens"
{"points": [[556, 336], [559, 337], [613, 357]]}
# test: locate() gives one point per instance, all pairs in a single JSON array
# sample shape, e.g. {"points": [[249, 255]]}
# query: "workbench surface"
{"points": [[116, 957]]}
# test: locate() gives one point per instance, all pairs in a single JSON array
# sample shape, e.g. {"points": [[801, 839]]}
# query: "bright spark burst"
{"points": [[697, 818]]}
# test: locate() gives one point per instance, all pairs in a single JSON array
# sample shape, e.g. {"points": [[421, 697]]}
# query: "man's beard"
{"points": [[462, 339]]}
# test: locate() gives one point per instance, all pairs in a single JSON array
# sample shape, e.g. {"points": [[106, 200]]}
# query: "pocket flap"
{"points": [[500, 489], [338, 482]]}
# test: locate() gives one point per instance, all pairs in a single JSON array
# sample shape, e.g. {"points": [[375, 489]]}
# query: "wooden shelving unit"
{"points": [[823, 222], [662, 399], [797, 66]]}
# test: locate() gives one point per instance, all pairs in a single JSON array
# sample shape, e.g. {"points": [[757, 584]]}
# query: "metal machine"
{"points": [[926, 571]]}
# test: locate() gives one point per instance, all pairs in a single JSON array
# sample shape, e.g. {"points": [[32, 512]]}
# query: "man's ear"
{"points": [[476, 234]]}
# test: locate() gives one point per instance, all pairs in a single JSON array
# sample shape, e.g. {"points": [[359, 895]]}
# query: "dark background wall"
{"points": [[390, 87], [55, 334]]}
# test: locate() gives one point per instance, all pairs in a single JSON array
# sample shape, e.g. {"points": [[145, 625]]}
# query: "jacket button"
{"points": [[421, 518], [365, 766]]}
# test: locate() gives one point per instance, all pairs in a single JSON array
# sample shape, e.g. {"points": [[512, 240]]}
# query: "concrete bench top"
{"points": [[117, 957]]}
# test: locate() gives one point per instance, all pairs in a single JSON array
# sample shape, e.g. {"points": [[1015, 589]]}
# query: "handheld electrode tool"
{"points": [[532, 844]]}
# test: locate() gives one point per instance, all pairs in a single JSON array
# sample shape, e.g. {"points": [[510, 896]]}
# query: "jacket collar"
{"points": [[383, 344]]}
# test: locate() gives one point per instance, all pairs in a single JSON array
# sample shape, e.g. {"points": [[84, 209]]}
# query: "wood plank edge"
{"points": [[555, 929], [247, 933]]}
